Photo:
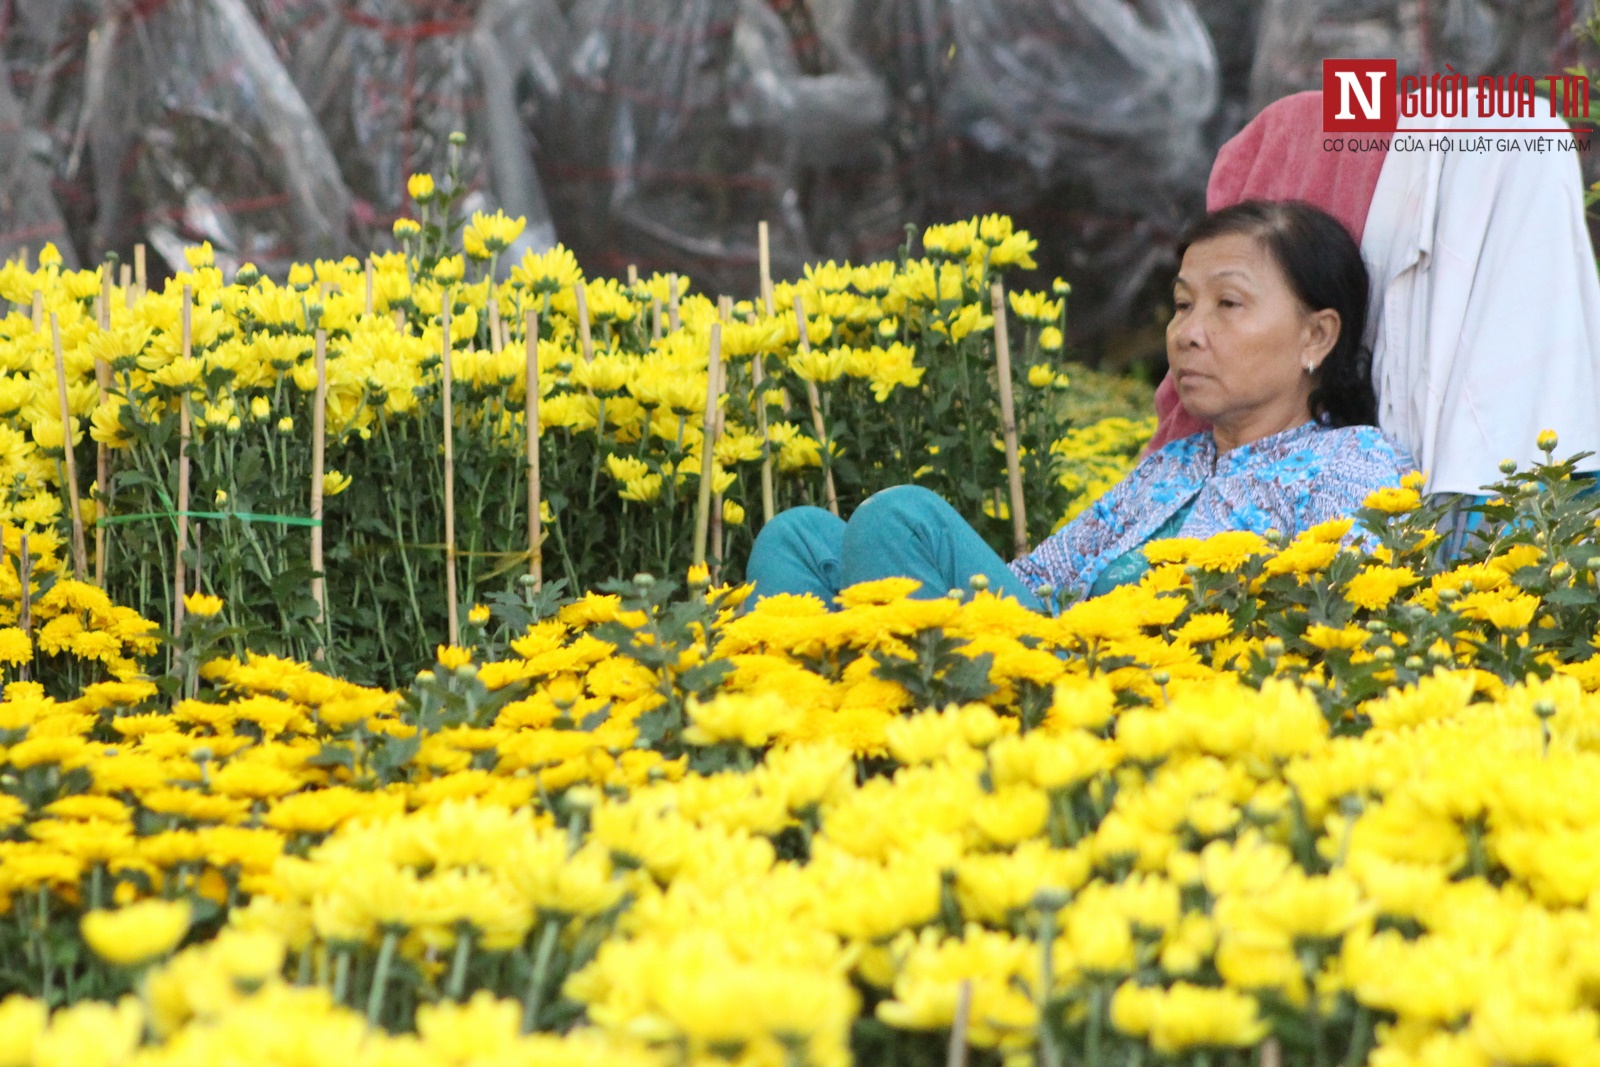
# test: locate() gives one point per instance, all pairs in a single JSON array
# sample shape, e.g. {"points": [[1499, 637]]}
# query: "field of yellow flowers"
{"points": [[201, 453], [1321, 800], [1281, 801]]}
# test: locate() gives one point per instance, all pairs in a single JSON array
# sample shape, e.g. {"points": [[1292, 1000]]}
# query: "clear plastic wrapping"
{"points": [[29, 214], [197, 133], [1108, 91], [390, 81]]}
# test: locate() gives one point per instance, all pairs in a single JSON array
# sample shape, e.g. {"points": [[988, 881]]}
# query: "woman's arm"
{"points": [[1065, 559]]}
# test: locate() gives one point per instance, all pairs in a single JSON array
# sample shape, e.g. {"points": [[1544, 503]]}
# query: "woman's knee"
{"points": [[901, 506], [797, 523], [804, 531]]}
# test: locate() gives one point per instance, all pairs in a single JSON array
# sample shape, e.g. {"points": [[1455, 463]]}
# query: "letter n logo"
{"points": [[1360, 96]]}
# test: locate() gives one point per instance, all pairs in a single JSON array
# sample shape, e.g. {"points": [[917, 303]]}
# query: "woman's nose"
{"points": [[1186, 331]]}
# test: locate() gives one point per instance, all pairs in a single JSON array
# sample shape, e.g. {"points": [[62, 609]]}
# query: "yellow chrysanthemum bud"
{"points": [[420, 187], [202, 604]]}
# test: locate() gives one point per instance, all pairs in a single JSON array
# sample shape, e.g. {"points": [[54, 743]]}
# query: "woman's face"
{"points": [[1240, 340]]}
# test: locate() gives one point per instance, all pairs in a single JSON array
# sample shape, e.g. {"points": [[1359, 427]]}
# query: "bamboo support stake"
{"points": [[125, 280], [319, 433], [38, 311], [179, 569], [725, 313], [535, 524], [764, 253], [102, 309], [80, 566], [497, 326], [25, 609], [102, 480], [446, 390], [956, 1053], [580, 291], [655, 318], [102, 456], [816, 410], [768, 505], [672, 303], [369, 286], [633, 275], [702, 511], [139, 277], [1008, 421]]}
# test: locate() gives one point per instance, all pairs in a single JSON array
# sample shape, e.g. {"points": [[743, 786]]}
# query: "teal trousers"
{"points": [[906, 531]]}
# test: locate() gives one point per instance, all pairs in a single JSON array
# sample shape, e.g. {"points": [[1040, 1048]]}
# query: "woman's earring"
{"points": [[1310, 368]]}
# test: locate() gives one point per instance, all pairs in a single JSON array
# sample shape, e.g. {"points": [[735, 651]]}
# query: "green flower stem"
{"points": [[1092, 1039], [380, 975], [533, 1000], [1049, 1053], [341, 976], [1308, 965], [457, 986]]}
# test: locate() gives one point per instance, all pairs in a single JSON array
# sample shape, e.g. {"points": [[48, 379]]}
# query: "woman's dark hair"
{"points": [[1323, 265]]}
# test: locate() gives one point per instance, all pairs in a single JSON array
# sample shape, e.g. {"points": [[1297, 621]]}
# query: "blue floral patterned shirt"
{"points": [[1288, 481]]}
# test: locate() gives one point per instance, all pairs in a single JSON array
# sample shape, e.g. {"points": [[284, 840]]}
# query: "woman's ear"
{"points": [[1321, 334]]}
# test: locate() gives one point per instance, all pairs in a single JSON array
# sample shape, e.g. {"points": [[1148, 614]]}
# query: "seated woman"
{"points": [[1264, 344]]}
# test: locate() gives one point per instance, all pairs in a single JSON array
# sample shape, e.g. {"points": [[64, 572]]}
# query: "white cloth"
{"points": [[1485, 321]]}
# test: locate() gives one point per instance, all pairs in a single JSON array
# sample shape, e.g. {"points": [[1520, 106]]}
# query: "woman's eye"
{"points": [[1228, 302], [1180, 305]]}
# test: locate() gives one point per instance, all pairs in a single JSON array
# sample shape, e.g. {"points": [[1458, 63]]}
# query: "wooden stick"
{"points": [[716, 538], [179, 570], [764, 250], [702, 511], [496, 325], [816, 411], [655, 318], [725, 313], [25, 609], [672, 303], [768, 506], [1008, 421], [633, 275], [102, 307], [319, 431], [369, 285], [80, 566], [188, 323], [580, 290], [535, 524], [449, 483], [102, 481], [139, 278], [956, 1054], [102, 453], [125, 280]]}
